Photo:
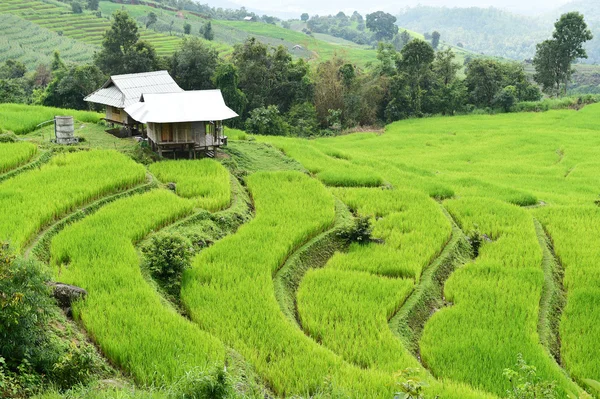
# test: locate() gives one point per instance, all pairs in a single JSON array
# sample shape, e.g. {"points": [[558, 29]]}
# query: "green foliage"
{"points": [[12, 70], [525, 384], [122, 51], [166, 256], [435, 39], [76, 7], [302, 119], [506, 98], [194, 64], [267, 121], [383, 24], [25, 304], [12, 91], [207, 32], [187, 28], [69, 87], [554, 57], [411, 386], [226, 79]]}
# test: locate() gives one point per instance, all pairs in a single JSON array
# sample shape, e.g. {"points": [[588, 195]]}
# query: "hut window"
{"points": [[116, 111]]}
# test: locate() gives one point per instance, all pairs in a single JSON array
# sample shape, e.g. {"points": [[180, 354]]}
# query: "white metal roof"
{"points": [[185, 106], [123, 90]]}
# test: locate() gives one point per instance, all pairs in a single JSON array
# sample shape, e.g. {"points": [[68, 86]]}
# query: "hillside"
{"points": [[321, 265], [495, 32]]}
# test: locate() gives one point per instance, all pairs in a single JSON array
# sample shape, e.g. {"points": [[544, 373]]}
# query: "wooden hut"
{"points": [[121, 91], [188, 121]]}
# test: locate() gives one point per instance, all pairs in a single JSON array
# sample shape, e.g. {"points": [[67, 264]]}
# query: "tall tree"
{"points": [[194, 64], [69, 86], [570, 33], [382, 24], [554, 58], [12, 69], [93, 4], [226, 79], [151, 19], [122, 52], [435, 39], [548, 68], [206, 31], [304, 17], [416, 59]]}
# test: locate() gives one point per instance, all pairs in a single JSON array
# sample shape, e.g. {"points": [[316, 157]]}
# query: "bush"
{"points": [[167, 255], [267, 121], [76, 7], [359, 232], [302, 119], [525, 384], [25, 305], [200, 385]]}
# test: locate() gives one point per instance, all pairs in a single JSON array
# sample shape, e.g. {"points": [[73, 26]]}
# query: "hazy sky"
{"points": [[530, 7]]}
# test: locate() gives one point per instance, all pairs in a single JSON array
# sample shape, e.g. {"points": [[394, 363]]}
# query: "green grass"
{"points": [[35, 198], [21, 118], [205, 181], [575, 234], [15, 154], [33, 45], [494, 303], [122, 313], [230, 292]]}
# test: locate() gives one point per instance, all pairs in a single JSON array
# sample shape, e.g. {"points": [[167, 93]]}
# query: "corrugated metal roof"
{"points": [[123, 90], [186, 106]]}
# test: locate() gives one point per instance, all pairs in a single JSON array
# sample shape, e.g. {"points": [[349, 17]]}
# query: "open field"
{"points": [[477, 243], [85, 27], [15, 154], [21, 118]]}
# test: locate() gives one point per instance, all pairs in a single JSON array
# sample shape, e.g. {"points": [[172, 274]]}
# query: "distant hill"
{"points": [[495, 32]]}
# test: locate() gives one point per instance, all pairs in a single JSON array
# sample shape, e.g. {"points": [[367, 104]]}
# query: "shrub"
{"points": [[167, 255], [302, 119], [25, 305], [267, 121], [525, 384], [201, 385], [359, 232]]}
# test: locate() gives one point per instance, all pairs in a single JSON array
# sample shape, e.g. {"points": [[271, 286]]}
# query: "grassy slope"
{"points": [[32, 44]]}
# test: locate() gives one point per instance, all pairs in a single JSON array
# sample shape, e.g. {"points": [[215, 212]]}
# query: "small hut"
{"points": [[188, 121], [121, 91]]}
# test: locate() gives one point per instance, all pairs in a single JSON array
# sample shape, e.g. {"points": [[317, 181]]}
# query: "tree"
{"points": [[302, 119], [506, 98], [382, 24], [226, 79], [57, 63], [167, 256], [122, 52], [484, 80], [93, 4], [42, 76], [435, 39], [304, 17], [405, 38], [267, 121], [554, 57], [547, 67], [416, 59], [69, 87], [12, 91], [206, 31], [76, 7], [151, 19], [194, 64], [12, 69], [187, 28], [449, 92]]}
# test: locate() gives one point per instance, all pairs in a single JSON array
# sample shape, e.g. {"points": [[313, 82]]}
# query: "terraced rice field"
{"points": [[482, 246], [87, 27], [15, 154], [32, 45]]}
